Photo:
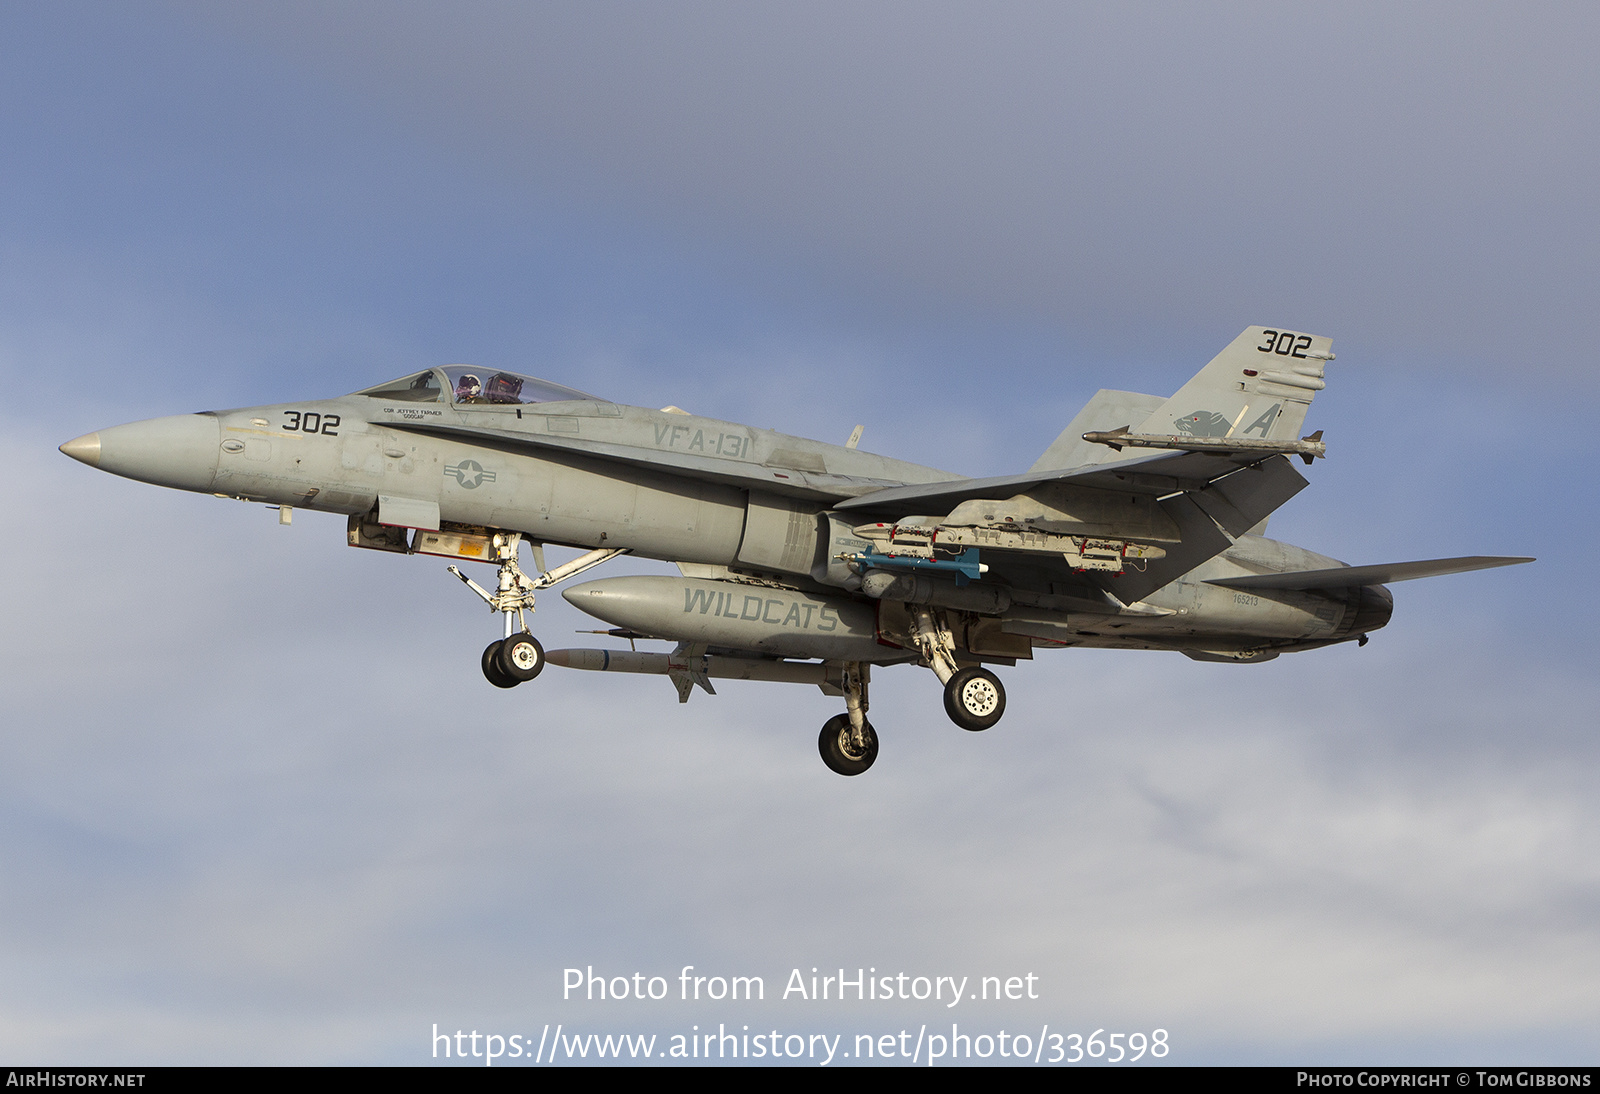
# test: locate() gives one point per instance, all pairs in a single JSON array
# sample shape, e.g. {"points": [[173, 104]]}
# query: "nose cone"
{"points": [[84, 449], [601, 599], [180, 452]]}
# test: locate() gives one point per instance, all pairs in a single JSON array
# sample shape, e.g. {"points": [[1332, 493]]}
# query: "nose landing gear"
{"points": [[519, 656]]}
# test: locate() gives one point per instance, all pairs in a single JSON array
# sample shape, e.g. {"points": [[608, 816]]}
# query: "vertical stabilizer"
{"points": [[1259, 388], [1106, 411]]}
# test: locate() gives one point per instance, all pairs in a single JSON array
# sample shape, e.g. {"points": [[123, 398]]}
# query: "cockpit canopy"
{"points": [[466, 385]]}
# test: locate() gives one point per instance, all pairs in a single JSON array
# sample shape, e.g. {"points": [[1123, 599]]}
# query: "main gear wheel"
{"points": [[974, 699], [839, 748]]}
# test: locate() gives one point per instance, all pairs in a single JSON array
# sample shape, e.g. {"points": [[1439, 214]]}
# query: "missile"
{"points": [[662, 664], [1307, 448], [735, 615]]}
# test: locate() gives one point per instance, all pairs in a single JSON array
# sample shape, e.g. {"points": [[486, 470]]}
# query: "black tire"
{"points": [[974, 699], [837, 753], [492, 670], [521, 657]]}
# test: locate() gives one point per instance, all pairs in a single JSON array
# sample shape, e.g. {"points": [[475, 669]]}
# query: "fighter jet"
{"points": [[1141, 527]]}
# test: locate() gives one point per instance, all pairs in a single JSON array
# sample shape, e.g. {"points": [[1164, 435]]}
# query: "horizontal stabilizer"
{"points": [[1344, 577]]}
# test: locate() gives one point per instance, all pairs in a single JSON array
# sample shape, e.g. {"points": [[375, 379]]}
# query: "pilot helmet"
{"points": [[468, 387]]}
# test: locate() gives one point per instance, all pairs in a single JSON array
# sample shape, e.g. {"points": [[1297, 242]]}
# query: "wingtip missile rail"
{"points": [[1307, 448]]}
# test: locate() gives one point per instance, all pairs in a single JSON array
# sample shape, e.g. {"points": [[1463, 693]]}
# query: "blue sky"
{"points": [[257, 804]]}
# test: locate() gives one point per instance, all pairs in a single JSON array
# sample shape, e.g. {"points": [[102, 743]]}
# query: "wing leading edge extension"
{"points": [[780, 479]]}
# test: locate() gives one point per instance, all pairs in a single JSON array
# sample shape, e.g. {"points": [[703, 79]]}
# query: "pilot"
{"points": [[469, 389]]}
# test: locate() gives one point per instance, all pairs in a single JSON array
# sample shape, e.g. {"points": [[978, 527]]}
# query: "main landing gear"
{"points": [[973, 696], [848, 742], [518, 656]]}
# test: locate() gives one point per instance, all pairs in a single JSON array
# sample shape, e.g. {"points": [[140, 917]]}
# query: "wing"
{"points": [[1345, 577], [1190, 503], [1158, 474]]}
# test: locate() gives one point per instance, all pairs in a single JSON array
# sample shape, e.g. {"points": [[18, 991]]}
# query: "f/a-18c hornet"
{"points": [[1140, 527]]}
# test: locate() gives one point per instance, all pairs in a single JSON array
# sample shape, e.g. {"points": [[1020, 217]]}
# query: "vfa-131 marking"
{"points": [[1140, 527]]}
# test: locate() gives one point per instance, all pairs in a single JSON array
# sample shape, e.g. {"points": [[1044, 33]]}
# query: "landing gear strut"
{"points": [[518, 656]]}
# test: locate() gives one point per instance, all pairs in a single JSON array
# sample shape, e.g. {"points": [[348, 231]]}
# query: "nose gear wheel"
{"points": [[491, 667], [521, 657]]}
